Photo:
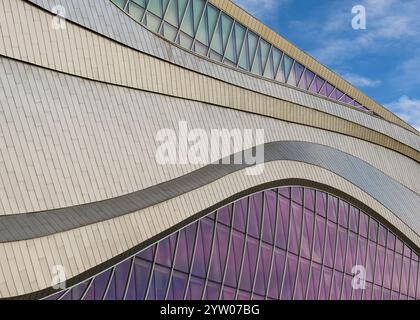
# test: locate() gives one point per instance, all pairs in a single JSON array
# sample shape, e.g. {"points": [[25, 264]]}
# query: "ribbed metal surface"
{"points": [[394, 196]]}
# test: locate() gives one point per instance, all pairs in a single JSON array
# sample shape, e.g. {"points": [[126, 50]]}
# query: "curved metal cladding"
{"points": [[286, 243], [333, 215]]}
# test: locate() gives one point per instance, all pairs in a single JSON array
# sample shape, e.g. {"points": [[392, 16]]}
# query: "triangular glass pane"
{"points": [[287, 66], [203, 31], [306, 79], [244, 56], [172, 13], [269, 73], [216, 42], [140, 2], [265, 50], [230, 53], [135, 11], [252, 45], [298, 71], [276, 53], [155, 7], [292, 77], [187, 23], [182, 6], [226, 22], [198, 7], [328, 89], [239, 37], [346, 99], [212, 14], [256, 67], [337, 94], [317, 84], [169, 31]]}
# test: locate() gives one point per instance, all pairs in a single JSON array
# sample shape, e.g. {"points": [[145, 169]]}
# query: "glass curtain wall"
{"points": [[199, 26], [286, 243]]}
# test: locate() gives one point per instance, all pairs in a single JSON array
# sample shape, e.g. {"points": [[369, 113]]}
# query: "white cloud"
{"points": [[260, 8], [360, 81], [408, 109]]}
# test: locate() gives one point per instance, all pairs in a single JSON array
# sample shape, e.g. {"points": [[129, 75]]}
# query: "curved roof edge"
{"points": [[294, 52]]}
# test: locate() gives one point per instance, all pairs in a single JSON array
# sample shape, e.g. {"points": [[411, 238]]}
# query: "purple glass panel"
{"points": [[97, 288], [255, 215], [370, 268], [196, 287], [282, 228], [289, 279], [354, 219], [234, 262], [309, 199], [364, 224], [141, 274], [302, 280], [297, 195], [319, 239], [412, 279], [241, 212], [337, 94], [314, 282], [351, 252], [121, 274], [317, 84], [343, 217], [249, 265], [373, 230], [308, 226], [380, 265], [212, 291], [147, 254], [382, 235], [346, 99], [336, 285], [325, 284], [330, 248], [177, 286], [347, 287], [185, 248], [298, 71], [341, 249], [165, 251], [321, 203], [361, 252], [224, 215], [328, 89], [159, 283], [390, 242], [270, 216], [407, 251], [396, 278], [277, 273], [388, 268], [399, 246], [285, 192], [261, 280], [218, 260], [296, 226], [332, 208], [228, 293], [405, 275], [202, 253]]}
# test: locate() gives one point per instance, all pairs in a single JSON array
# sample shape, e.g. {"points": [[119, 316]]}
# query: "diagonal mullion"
{"points": [[312, 249], [366, 256], [244, 248], [181, 21], [151, 271], [214, 32], [111, 276], [268, 59], [259, 245], [302, 226], [291, 70], [324, 248], [357, 249], [171, 272], [228, 251], [252, 61], [199, 25], [192, 258], [279, 66], [333, 271], [346, 252], [145, 11], [273, 252], [164, 16], [228, 39], [385, 261], [213, 242], [125, 6], [130, 274], [242, 47], [287, 245]]}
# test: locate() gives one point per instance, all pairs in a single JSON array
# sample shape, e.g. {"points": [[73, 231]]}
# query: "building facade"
{"points": [[110, 187]]}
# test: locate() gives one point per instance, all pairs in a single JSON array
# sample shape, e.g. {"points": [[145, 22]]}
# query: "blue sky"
{"points": [[383, 60]]}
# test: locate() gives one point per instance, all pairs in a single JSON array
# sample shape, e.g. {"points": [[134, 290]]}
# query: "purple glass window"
{"points": [[296, 243]]}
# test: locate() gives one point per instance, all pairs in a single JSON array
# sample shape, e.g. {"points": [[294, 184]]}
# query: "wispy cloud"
{"points": [[360, 81], [261, 8], [408, 109], [388, 22]]}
